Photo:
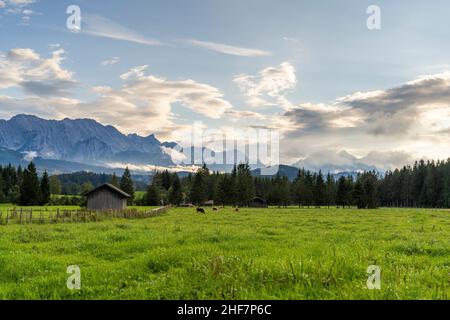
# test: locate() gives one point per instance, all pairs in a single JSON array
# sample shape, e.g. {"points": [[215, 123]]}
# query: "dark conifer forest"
{"points": [[424, 184]]}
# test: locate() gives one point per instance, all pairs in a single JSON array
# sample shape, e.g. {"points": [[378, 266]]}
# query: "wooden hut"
{"points": [[209, 203], [258, 202], [107, 197]]}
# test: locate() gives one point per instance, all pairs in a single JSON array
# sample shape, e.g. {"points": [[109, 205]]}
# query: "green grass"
{"points": [[254, 254], [5, 207]]}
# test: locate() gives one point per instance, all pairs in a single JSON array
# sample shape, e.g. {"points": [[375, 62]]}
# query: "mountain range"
{"points": [[81, 143], [64, 146]]}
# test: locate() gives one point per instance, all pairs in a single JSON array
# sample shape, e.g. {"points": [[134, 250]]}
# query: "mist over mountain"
{"points": [[334, 162], [63, 146], [82, 140]]}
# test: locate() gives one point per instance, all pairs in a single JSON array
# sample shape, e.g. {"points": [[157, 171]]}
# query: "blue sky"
{"points": [[232, 64]]}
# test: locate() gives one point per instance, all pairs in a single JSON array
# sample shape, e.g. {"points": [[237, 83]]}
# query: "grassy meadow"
{"points": [[272, 253]]}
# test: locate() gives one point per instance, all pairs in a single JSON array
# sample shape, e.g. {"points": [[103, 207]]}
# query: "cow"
{"points": [[215, 209], [201, 210], [237, 210]]}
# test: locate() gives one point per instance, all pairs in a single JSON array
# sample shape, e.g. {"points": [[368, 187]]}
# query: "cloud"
{"points": [[20, 2], [99, 26], [408, 118], [144, 102], [18, 7], [109, 62], [239, 114], [24, 68], [228, 49], [397, 110], [342, 161], [269, 86], [388, 160], [30, 155]]}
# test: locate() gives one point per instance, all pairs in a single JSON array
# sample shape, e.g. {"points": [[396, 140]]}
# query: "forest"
{"points": [[422, 185]]}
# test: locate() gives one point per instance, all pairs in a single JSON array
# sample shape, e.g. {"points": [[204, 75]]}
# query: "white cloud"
{"points": [[24, 68], [269, 86], [134, 73], [228, 49], [244, 114], [23, 54], [30, 155], [21, 2], [99, 26], [408, 118], [144, 102], [18, 7], [109, 62]]}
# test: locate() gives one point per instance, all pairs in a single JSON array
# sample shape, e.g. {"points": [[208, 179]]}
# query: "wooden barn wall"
{"points": [[104, 199]]}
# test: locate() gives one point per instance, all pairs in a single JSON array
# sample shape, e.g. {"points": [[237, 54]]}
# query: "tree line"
{"points": [[23, 186], [424, 184]]}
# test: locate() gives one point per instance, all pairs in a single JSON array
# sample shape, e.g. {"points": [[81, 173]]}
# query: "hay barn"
{"points": [[258, 202], [107, 197]]}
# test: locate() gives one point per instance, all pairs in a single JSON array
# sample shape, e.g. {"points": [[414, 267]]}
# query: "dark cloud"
{"points": [[49, 88]]}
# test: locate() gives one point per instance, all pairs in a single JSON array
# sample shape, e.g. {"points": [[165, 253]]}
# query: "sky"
{"points": [[312, 70]]}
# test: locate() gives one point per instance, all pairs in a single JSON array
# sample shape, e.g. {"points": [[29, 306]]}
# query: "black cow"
{"points": [[201, 210]]}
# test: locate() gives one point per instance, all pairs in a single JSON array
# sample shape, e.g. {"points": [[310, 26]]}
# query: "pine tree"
{"points": [[126, 185], [299, 188], [308, 189], [330, 190], [199, 192], [30, 187], [370, 190], [175, 193], [114, 181], [152, 196], [245, 186], [222, 190], [358, 193], [319, 190], [45, 189], [344, 191]]}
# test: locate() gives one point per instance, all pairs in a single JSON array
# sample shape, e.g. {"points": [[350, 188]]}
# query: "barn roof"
{"points": [[110, 187], [259, 199]]}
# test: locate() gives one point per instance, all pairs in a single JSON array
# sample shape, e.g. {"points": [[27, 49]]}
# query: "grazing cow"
{"points": [[237, 210], [201, 210], [215, 209]]}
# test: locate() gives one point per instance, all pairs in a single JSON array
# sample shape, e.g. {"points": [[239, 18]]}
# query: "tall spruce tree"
{"points": [[199, 192], [30, 194], [175, 192], [114, 181], [152, 196], [45, 189], [319, 190], [330, 190], [126, 185], [245, 186]]}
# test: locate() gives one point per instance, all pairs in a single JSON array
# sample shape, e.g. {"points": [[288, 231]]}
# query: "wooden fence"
{"points": [[43, 216]]}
